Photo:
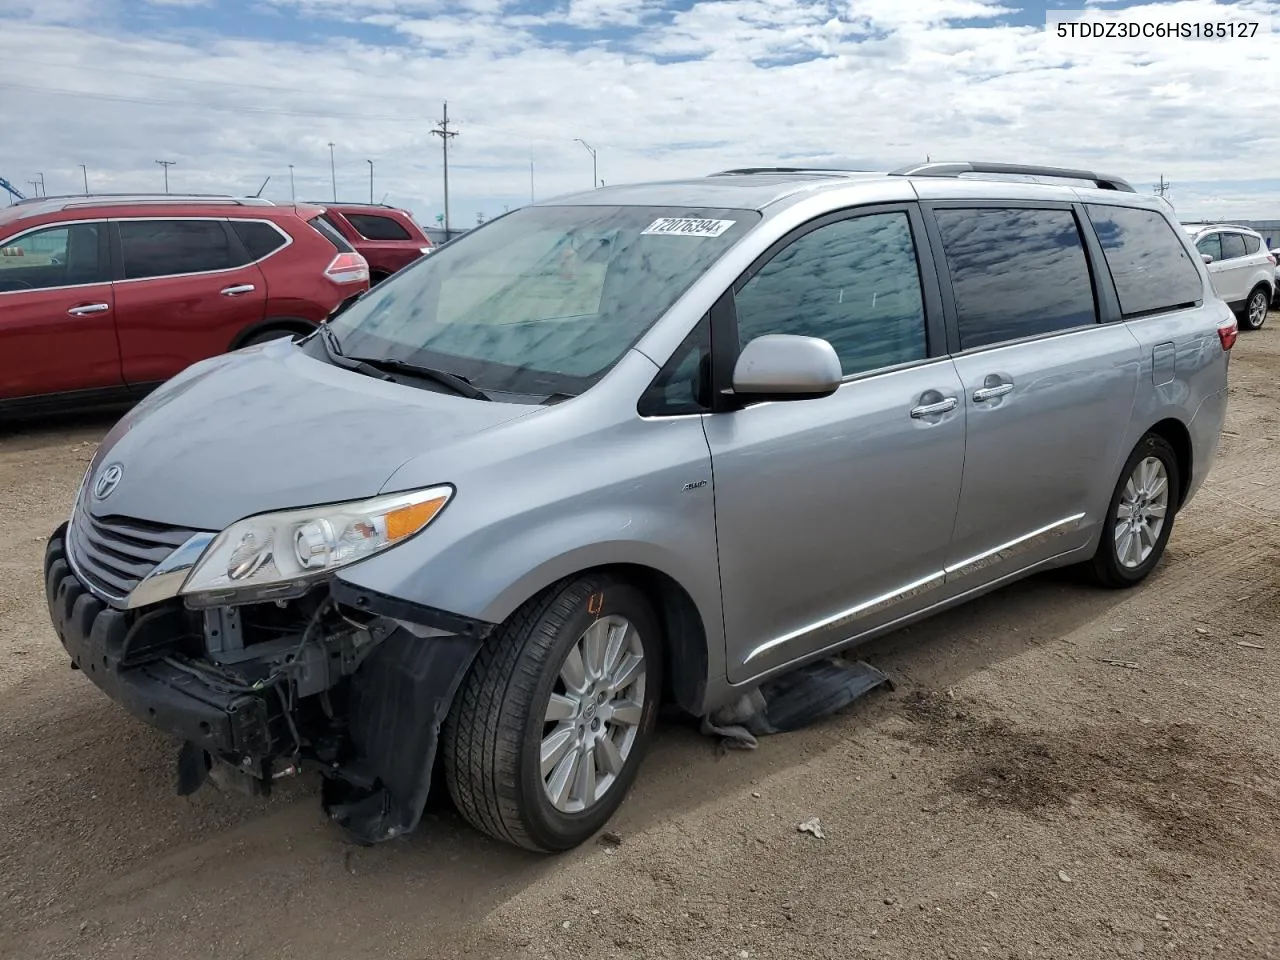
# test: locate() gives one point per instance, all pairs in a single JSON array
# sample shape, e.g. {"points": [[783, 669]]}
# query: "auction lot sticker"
{"points": [[686, 227]]}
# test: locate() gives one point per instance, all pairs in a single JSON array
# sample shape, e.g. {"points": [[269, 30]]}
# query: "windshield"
{"points": [[543, 300]]}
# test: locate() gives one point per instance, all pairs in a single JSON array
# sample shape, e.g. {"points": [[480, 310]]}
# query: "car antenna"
{"points": [[263, 187]]}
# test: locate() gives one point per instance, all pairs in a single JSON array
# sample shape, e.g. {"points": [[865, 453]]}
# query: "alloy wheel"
{"points": [[1141, 513]]}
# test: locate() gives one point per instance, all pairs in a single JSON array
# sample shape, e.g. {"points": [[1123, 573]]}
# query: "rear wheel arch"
{"points": [[1176, 434], [263, 329]]}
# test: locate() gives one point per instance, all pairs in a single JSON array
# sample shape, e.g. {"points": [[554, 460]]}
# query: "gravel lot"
{"points": [[1016, 796]]}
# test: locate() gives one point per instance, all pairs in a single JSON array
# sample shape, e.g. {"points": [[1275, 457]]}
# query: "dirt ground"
{"points": [[1061, 772]]}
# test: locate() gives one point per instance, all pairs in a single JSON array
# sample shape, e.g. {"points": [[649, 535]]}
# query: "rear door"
{"points": [[834, 514], [1048, 389], [57, 316], [187, 292]]}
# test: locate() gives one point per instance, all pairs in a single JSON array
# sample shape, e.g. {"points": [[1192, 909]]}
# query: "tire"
{"points": [[493, 739], [1108, 567], [274, 333], [1254, 314]]}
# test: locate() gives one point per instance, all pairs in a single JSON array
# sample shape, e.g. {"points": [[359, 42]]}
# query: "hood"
{"points": [[269, 428]]}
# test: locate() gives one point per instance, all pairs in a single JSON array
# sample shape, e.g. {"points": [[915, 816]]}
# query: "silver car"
{"points": [[647, 443]]}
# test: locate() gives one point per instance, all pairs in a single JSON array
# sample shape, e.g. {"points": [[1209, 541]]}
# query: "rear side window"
{"points": [[1232, 246], [1015, 272], [1251, 244], [61, 256], [373, 227], [326, 230], [163, 248], [1149, 264], [259, 239]]}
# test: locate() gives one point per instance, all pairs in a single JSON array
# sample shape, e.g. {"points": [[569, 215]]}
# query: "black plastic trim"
{"points": [[396, 608]]}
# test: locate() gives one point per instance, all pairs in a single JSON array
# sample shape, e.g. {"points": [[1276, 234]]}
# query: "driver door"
{"points": [[834, 514], [57, 312]]}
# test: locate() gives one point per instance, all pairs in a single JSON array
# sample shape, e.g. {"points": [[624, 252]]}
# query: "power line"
{"points": [[445, 134]]}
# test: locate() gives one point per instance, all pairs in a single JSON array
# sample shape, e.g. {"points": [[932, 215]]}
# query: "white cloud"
{"points": [[725, 83]]}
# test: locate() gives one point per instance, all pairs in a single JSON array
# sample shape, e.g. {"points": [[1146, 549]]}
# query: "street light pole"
{"points": [[43, 191], [370, 163], [293, 194], [85, 170], [595, 180], [333, 176]]}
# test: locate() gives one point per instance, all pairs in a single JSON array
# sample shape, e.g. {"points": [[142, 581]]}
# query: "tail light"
{"points": [[1272, 258], [1227, 333], [348, 268]]}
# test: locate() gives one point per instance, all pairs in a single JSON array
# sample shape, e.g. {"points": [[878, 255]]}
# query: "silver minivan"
{"points": [[648, 443]]}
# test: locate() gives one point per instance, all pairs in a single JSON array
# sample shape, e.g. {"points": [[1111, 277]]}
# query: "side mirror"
{"points": [[781, 366], [1206, 257]]}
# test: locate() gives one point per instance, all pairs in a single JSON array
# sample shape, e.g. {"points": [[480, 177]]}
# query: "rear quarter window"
{"points": [[259, 239], [1252, 244], [1149, 264], [374, 227]]}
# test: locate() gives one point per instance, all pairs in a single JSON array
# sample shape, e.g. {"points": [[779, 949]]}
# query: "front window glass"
{"points": [[542, 300]]}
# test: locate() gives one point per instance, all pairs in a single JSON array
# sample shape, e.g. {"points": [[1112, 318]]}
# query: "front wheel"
{"points": [[1140, 516], [1255, 310], [548, 730]]}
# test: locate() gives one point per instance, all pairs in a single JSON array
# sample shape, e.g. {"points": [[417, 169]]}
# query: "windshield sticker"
{"points": [[687, 227]]}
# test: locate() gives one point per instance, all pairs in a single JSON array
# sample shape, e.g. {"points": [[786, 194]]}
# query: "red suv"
{"points": [[388, 238], [103, 298]]}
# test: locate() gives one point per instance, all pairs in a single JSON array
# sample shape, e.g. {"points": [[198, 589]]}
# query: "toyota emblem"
{"points": [[107, 481]]}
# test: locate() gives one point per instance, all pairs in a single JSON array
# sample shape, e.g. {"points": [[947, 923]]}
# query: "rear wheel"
{"points": [[1140, 516], [1255, 310], [547, 733], [274, 333]]}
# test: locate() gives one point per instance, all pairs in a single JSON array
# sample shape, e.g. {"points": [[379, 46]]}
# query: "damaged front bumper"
{"points": [[345, 681]]}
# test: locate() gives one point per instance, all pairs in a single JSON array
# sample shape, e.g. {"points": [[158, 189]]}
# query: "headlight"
{"points": [[277, 555]]}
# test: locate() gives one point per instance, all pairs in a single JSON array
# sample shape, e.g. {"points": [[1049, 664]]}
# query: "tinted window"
{"points": [[324, 226], [684, 383], [1149, 265], [377, 228], [259, 238], [54, 257], [1251, 244], [161, 248], [854, 283], [1232, 246], [1212, 245], [1015, 273]]}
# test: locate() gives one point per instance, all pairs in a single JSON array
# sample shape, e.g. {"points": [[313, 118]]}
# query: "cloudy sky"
{"points": [[236, 90]]}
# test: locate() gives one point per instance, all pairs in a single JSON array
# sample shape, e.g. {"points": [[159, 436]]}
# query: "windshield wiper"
{"points": [[459, 385]]}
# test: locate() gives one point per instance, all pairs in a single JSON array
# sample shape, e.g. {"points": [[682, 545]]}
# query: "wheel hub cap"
{"points": [[593, 715], [1141, 513]]}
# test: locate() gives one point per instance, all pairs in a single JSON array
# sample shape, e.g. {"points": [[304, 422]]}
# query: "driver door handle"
{"points": [[87, 309], [238, 289], [945, 405]]}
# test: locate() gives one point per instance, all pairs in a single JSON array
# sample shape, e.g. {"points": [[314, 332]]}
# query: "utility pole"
{"points": [[85, 170], [43, 191], [445, 134], [293, 194], [166, 164], [531, 200], [35, 186], [370, 163], [595, 180], [333, 175], [1162, 187]]}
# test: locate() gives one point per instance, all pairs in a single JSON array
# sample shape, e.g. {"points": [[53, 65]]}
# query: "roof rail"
{"points": [[1217, 224], [1020, 169], [101, 199], [744, 171]]}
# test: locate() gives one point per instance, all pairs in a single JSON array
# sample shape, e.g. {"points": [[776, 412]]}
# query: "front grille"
{"points": [[114, 554]]}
